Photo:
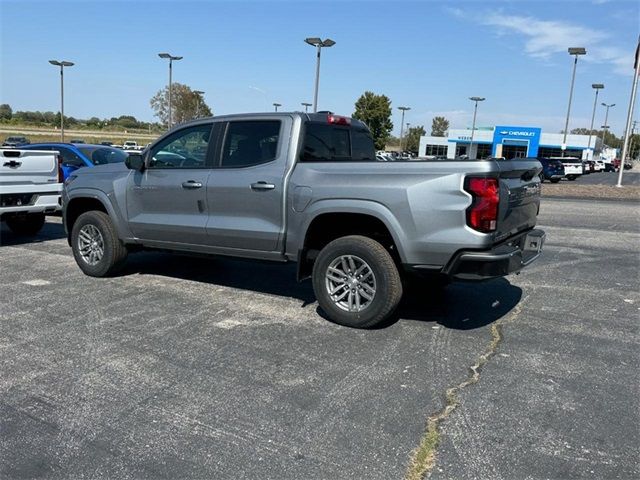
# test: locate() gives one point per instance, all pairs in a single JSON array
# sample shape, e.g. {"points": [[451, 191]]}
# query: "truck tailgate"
{"points": [[519, 196], [28, 167]]}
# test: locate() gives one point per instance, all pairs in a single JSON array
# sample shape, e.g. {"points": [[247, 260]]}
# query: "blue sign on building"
{"points": [[517, 136]]}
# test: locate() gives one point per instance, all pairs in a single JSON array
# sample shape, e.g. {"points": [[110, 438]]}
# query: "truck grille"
{"points": [[17, 199]]}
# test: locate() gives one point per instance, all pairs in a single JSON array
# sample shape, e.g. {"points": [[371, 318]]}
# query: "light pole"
{"points": [[171, 59], [319, 44], [576, 52], [632, 102], [473, 125], [276, 105], [200, 93], [596, 87], [61, 64], [606, 117], [306, 106], [404, 109]]}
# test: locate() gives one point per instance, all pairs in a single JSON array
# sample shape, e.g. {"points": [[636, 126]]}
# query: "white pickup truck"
{"points": [[30, 187]]}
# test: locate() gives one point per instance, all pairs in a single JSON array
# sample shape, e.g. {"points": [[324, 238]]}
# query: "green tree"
{"points": [[375, 111], [412, 139], [439, 125], [5, 112], [185, 104]]}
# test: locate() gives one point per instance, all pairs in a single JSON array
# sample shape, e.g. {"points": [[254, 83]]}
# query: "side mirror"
{"points": [[135, 161]]}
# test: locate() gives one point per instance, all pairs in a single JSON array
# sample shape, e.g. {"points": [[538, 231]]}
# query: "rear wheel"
{"points": [[356, 282], [555, 180], [96, 247], [571, 177], [29, 224]]}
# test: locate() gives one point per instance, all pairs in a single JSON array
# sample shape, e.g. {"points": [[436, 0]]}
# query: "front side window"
{"points": [[186, 148], [250, 143]]}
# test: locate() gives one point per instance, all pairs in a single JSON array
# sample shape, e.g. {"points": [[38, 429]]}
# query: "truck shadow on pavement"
{"points": [[50, 231], [460, 306]]}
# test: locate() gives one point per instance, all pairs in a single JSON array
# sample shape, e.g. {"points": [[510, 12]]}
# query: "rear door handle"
{"points": [[191, 185], [262, 186]]}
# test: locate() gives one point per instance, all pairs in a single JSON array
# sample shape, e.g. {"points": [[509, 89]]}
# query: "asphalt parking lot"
{"points": [[629, 177], [190, 368]]}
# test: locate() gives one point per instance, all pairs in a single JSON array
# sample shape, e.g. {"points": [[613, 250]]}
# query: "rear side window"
{"points": [[250, 143], [331, 143]]}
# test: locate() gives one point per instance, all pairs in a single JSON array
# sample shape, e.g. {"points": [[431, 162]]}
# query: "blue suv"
{"points": [[552, 170], [76, 156]]}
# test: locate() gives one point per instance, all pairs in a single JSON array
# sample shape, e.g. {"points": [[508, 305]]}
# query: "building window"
{"points": [[461, 150], [436, 150], [547, 152], [484, 150]]}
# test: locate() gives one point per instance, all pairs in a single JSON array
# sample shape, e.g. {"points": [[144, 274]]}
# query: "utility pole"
{"points": [[576, 51], [403, 109]]}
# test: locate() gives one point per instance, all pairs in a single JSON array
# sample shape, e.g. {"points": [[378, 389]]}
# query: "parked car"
{"points": [[15, 141], [609, 166], [81, 155], [130, 145], [306, 188], [588, 167], [552, 170], [627, 165], [599, 165], [30, 186], [573, 167], [106, 143]]}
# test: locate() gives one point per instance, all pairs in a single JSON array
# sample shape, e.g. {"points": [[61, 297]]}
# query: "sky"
{"points": [[427, 55]]}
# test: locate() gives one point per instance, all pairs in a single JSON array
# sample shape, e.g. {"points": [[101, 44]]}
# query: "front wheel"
{"points": [[555, 180], [29, 224], [571, 177], [96, 247], [356, 282]]}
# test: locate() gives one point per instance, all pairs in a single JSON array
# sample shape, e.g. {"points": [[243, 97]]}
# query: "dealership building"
{"points": [[508, 142]]}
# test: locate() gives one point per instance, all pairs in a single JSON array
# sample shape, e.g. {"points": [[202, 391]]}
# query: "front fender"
{"points": [[113, 209]]}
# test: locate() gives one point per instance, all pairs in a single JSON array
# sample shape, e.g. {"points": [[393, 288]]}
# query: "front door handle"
{"points": [[191, 185], [262, 186]]}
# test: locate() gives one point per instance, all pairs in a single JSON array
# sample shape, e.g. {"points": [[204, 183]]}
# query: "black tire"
{"points": [[571, 177], [555, 180], [541, 178], [115, 252], [29, 224], [388, 292]]}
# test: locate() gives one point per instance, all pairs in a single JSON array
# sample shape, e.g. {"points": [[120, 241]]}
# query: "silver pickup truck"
{"points": [[30, 187], [306, 188]]}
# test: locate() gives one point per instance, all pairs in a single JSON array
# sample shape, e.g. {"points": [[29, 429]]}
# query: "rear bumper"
{"points": [[504, 259], [22, 199]]}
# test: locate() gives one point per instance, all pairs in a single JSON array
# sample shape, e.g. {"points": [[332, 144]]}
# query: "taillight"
{"points": [[338, 120], [60, 172], [482, 215]]}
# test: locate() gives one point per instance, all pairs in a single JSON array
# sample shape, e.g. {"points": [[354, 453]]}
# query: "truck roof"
{"points": [[318, 117]]}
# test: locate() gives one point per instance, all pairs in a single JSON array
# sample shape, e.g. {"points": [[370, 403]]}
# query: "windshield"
{"points": [[104, 155]]}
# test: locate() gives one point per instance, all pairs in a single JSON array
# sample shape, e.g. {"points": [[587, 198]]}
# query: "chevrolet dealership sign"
{"points": [[524, 136]]}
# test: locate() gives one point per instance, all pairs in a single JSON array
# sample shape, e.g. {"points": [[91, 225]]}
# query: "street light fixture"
{"points": [[276, 105], [171, 59], [199, 93], [319, 44], [606, 118], [596, 87], [576, 52], [473, 125], [306, 106], [61, 64], [404, 109]]}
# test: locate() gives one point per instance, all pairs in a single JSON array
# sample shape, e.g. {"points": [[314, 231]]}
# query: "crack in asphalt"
{"points": [[423, 458]]}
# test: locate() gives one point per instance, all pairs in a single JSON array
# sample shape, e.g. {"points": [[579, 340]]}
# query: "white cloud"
{"points": [[545, 38]]}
